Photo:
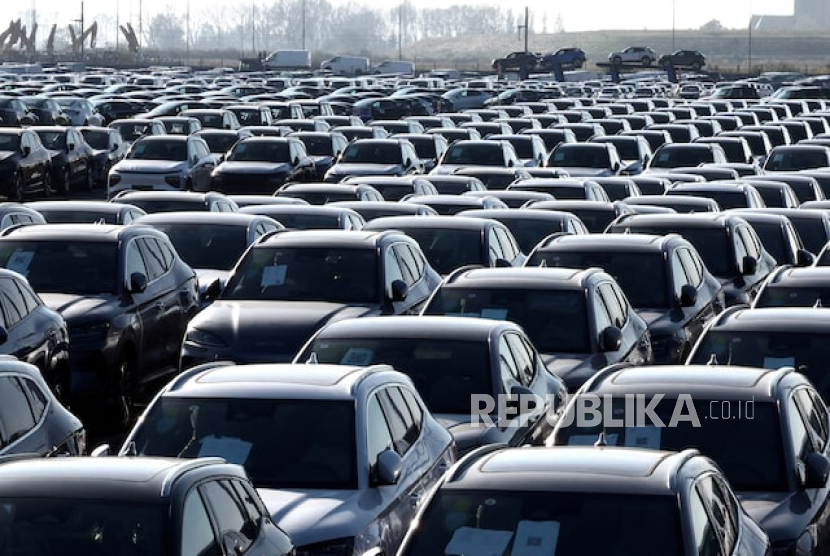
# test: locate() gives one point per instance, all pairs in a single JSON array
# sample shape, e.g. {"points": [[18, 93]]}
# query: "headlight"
{"points": [[174, 180], [336, 547], [89, 332], [202, 338]]}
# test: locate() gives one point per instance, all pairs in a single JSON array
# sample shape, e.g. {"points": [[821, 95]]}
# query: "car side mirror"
{"points": [[399, 290], [388, 467], [296, 161], [213, 290], [70, 147], [519, 393], [510, 163], [114, 147], [816, 471], [234, 543], [615, 167], [100, 451], [804, 258], [26, 151], [688, 295], [610, 339], [408, 162], [138, 282], [749, 265], [4, 335]]}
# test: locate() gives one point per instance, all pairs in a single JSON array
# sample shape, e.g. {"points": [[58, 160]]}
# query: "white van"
{"points": [[395, 66], [346, 65]]}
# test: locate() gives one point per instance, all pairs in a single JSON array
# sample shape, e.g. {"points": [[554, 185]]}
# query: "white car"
{"points": [[634, 55]]}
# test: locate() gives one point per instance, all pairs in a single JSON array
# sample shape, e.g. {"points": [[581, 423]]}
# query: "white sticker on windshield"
{"points": [[778, 362], [536, 538], [643, 437], [357, 356], [232, 449], [495, 314], [273, 276], [20, 261], [478, 542]]}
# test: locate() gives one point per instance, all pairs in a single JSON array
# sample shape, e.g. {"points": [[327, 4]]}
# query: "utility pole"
{"points": [[749, 46], [187, 38], [672, 25], [117, 28], [525, 26], [140, 23], [253, 28], [400, 31], [81, 34], [304, 1]]}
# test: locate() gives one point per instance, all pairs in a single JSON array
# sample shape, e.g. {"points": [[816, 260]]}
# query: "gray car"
{"points": [[341, 455]]}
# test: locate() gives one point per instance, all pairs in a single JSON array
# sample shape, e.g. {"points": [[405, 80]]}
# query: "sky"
{"points": [[582, 15]]}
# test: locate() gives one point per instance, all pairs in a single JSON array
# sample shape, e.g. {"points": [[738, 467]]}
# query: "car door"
{"points": [[19, 418], [147, 309], [76, 157], [31, 165], [200, 169], [28, 334], [413, 274]]}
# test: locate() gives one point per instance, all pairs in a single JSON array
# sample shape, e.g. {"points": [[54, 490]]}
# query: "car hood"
{"points": [[254, 327], [253, 167], [782, 515], [150, 166], [73, 307], [586, 172], [444, 169], [312, 516], [573, 368], [366, 169]]}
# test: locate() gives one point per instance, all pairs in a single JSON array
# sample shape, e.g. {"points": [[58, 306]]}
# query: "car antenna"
{"points": [[312, 359], [601, 443], [131, 449], [713, 360], [818, 304]]}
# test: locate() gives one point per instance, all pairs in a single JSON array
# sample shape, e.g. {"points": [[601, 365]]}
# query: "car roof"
{"points": [[615, 241], [573, 469], [273, 381], [198, 217], [137, 479], [722, 382], [771, 319], [324, 238], [69, 232], [801, 277], [428, 327], [435, 222], [551, 278], [698, 220]]}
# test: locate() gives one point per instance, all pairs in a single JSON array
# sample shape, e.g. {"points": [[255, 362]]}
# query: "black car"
{"points": [[395, 188], [323, 147], [663, 278], [47, 111], [767, 429], [519, 60], [108, 148], [15, 113], [451, 360], [568, 58], [135, 506], [260, 165], [66, 211], [683, 59], [596, 215], [530, 226], [125, 294], [290, 283], [728, 245], [387, 157], [310, 217], [25, 164], [550, 500], [220, 141], [324, 193], [71, 155], [579, 320], [796, 287], [779, 237]]}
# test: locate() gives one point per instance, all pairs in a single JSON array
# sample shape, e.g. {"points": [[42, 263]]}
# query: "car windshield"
{"points": [[813, 232], [306, 274], [770, 349], [318, 146], [448, 249], [52, 139], [571, 156], [9, 142], [642, 276], [168, 205], [424, 147], [72, 215], [797, 159], [728, 435], [683, 156], [479, 154], [159, 149], [713, 244], [131, 131], [724, 199], [564, 523], [40, 525], [319, 196], [78, 268], [556, 321], [255, 433], [783, 295], [301, 221], [97, 139], [446, 372], [495, 181], [207, 245], [774, 241], [530, 232], [372, 153], [260, 151], [596, 220], [219, 142]]}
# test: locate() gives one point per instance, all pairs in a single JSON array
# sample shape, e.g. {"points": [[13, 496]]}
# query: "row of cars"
{"points": [[481, 331], [575, 58]]}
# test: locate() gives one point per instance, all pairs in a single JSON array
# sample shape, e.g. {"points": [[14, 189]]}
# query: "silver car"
{"points": [[342, 455]]}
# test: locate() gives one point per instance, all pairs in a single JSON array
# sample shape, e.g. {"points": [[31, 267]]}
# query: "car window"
{"points": [[752, 247], [197, 534], [134, 261], [13, 305], [508, 245], [814, 413], [378, 436], [524, 357], [415, 408], [229, 513], [602, 315], [397, 417], [800, 439], [723, 522], [495, 251], [400, 408], [691, 265], [37, 399], [15, 412], [508, 367], [153, 257], [392, 270], [703, 531], [613, 304], [678, 274], [407, 263]]}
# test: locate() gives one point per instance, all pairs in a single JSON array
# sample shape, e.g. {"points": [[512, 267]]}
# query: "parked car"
{"points": [[367, 446], [108, 148], [261, 165], [67, 211], [25, 164], [176, 201], [642, 55], [132, 129], [71, 155], [777, 455], [166, 163], [683, 59], [540, 500], [796, 287], [568, 58], [303, 216], [135, 505], [387, 157], [80, 111], [289, 284], [529, 226], [125, 295], [451, 361], [663, 277], [517, 61]]}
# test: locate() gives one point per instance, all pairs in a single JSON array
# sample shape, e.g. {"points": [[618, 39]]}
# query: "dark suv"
{"points": [[134, 506], [567, 58], [767, 429], [579, 320], [516, 60], [290, 283], [663, 277], [125, 294], [683, 59], [575, 501]]}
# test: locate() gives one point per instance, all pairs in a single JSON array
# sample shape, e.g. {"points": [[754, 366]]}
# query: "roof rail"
{"points": [[454, 275], [14, 227], [187, 374], [680, 459], [269, 235], [471, 457], [603, 373], [186, 465]]}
